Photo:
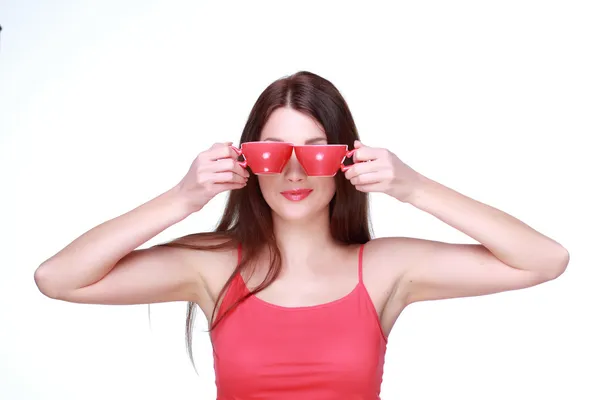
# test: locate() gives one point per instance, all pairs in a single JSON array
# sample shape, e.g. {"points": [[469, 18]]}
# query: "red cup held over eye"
{"points": [[323, 160], [265, 158]]}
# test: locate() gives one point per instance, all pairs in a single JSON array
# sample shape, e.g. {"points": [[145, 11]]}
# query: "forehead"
{"points": [[289, 125]]}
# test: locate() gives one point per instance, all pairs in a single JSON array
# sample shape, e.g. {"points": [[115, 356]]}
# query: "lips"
{"points": [[296, 194]]}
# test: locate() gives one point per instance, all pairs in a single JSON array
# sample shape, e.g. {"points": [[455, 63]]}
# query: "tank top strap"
{"points": [[235, 289], [360, 263], [238, 277], [238, 280]]}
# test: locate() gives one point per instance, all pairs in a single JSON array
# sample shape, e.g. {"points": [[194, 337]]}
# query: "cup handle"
{"points": [[244, 163], [349, 154]]}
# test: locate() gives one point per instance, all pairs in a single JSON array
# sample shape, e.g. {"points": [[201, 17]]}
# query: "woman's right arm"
{"points": [[102, 266]]}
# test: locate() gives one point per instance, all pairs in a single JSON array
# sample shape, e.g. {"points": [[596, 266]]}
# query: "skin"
{"points": [[103, 267]]}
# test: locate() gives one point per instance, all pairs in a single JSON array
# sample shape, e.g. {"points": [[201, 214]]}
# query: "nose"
{"points": [[293, 170]]}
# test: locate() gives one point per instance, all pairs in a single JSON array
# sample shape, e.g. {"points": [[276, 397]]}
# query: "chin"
{"points": [[297, 214]]}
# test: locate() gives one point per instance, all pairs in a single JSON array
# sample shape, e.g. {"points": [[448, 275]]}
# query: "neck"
{"points": [[302, 243]]}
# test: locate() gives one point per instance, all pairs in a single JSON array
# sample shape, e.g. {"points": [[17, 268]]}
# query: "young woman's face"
{"points": [[289, 125]]}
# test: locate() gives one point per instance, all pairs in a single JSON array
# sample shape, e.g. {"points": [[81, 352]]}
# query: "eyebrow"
{"points": [[309, 141]]}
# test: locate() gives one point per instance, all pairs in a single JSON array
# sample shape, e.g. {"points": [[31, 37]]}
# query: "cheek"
{"points": [[267, 185], [325, 187], [329, 186]]}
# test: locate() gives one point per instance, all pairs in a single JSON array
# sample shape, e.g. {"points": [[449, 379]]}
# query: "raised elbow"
{"points": [[45, 282], [559, 262]]}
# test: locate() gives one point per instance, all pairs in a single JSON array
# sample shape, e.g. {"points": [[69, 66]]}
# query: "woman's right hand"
{"points": [[213, 171]]}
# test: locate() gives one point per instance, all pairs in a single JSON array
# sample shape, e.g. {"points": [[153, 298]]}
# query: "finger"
{"points": [[366, 179], [228, 164], [361, 168], [366, 153], [374, 187], [221, 143], [221, 150], [223, 187], [227, 177]]}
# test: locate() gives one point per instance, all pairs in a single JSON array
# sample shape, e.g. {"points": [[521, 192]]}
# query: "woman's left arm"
{"points": [[510, 255]]}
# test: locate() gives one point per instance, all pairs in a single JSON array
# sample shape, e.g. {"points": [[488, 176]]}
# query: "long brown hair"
{"points": [[247, 218]]}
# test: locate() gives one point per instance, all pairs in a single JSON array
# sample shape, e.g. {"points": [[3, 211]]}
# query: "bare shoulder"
{"points": [[385, 262], [381, 248], [213, 265], [395, 257], [400, 260], [388, 264], [206, 247], [388, 257]]}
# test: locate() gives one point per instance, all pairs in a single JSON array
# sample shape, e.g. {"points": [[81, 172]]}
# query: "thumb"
{"points": [[358, 144]]}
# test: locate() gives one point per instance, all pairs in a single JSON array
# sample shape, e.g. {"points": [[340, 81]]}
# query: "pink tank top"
{"points": [[329, 351]]}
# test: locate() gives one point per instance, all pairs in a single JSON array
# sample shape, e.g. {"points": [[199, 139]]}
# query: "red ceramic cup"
{"points": [[265, 158], [323, 160]]}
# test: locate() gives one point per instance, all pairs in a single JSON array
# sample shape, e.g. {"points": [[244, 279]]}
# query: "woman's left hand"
{"points": [[380, 170]]}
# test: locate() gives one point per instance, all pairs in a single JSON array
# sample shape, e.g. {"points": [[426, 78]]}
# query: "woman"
{"points": [[299, 297]]}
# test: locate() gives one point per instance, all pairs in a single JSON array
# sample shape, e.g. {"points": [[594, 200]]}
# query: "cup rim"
{"points": [[292, 144], [266, 142], [323, 145]]}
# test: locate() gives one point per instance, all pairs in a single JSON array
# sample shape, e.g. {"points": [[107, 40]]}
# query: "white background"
{"points": [[103, 105]]}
